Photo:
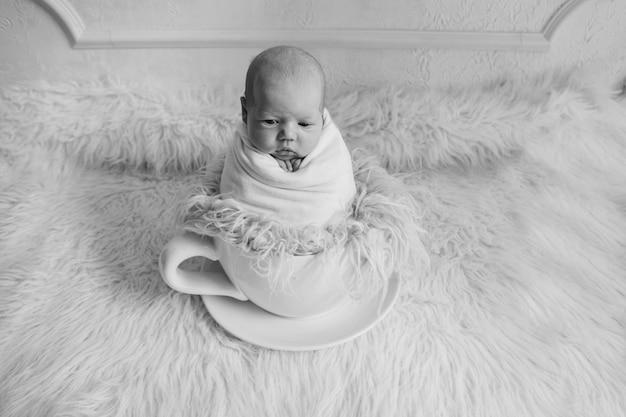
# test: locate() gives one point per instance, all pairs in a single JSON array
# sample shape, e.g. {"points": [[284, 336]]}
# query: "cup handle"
{"points": [[190, 245]]}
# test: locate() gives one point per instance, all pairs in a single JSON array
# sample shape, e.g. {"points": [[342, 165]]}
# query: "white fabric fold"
{"points": [[321, 188]]}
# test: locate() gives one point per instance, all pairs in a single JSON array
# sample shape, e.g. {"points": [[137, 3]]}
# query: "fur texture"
{"points": [[521, 190]]}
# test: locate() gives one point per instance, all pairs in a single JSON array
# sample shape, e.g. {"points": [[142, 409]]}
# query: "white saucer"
{"points": [[252, 324]]}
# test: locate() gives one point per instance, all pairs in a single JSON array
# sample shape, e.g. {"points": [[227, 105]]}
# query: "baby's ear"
{"points": [[244, 110]]}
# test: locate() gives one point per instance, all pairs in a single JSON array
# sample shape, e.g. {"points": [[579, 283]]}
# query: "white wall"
{"points": [[33, 45]]}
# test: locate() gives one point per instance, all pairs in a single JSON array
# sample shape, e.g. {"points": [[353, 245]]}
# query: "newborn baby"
{"points": [[288, 160]]}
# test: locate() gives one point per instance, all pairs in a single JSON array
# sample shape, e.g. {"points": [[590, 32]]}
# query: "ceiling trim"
{"points": [[81, 37]]}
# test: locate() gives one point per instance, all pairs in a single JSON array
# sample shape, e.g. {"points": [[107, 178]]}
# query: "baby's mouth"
{"points": [[285, 153]]}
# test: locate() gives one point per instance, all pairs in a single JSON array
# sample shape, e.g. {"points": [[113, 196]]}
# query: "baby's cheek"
{"points": [[263, 140]]}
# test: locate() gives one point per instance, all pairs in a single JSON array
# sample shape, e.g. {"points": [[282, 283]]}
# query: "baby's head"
{"points": [[284, 102]]}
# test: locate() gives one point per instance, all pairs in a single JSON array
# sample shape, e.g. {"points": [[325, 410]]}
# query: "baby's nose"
{"points": [[288, 132]]}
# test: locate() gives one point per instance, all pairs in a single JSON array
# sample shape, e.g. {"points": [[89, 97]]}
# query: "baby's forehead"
{"points": [[275, 96], [304, 83]]}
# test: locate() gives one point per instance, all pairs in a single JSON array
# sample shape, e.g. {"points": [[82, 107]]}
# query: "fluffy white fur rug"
{"points": [[522, 189]]}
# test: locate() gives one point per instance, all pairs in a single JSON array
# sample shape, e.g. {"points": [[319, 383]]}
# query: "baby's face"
{"points": [[285, 119]]}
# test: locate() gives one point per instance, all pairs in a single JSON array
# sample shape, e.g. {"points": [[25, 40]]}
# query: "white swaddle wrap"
{"points": [[321, 188]]}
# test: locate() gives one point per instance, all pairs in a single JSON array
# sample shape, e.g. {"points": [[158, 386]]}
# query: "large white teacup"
{"points": [[313, 285]]}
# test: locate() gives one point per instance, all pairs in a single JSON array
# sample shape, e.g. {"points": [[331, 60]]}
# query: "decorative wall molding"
{"points": [[82, 37]]}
